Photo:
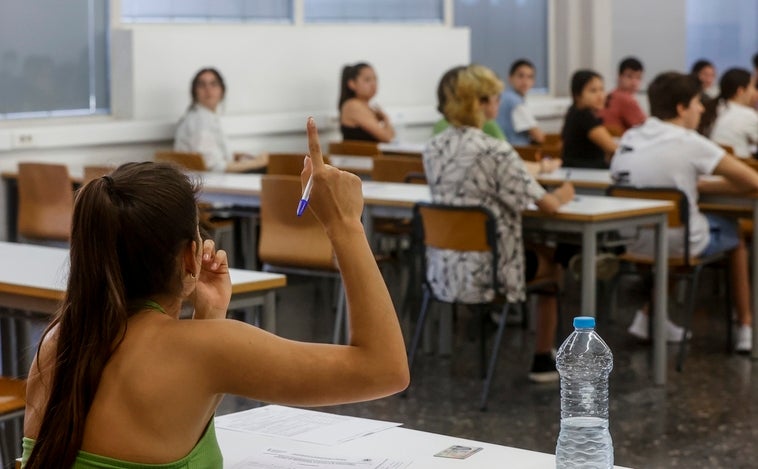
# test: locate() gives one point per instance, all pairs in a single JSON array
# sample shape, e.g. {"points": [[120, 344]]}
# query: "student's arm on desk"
{"points": [[602, 138], [240, 359], [552, 201], [737, 177]]}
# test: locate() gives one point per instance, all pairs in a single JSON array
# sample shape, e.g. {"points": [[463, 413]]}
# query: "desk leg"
{"points": [[754, 279], [7, 338], [660, 307], [269, 311], [589, 254]]}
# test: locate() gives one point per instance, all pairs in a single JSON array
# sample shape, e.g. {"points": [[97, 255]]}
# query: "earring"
{"points": [[193, 275]]}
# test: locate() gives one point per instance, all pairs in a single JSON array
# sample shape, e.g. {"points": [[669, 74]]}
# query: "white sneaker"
{"points": [[743, 338], [640, 327]]}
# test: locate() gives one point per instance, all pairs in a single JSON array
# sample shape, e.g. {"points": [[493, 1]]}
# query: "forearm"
{"points": [[373, 321]]}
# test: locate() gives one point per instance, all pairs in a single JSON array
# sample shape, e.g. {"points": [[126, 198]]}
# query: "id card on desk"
{"points": [[458, 452]]}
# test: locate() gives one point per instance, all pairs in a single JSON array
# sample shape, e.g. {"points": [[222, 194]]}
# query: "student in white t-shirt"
{"points": [[665, 151], [737, 120]]}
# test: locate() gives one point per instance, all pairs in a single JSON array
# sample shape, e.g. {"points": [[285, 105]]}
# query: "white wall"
{"points": [[653, 31]]}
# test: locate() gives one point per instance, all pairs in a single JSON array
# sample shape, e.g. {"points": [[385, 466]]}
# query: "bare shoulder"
{"points": [[39, 381]]}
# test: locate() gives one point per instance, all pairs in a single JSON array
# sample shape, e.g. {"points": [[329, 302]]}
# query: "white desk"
{"points": [[33, 280], [396, 443], [586, 181]]}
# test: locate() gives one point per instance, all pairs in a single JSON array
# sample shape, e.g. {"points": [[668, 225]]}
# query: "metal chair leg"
{"points": [[493, 358], [729, 305], [420, 323], [340, 316], [688, 313]]}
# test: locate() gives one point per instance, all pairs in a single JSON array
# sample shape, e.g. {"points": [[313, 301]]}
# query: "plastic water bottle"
{"points": [[584, 362]]}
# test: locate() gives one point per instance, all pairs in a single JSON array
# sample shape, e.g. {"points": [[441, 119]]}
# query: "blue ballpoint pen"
{"points": [[306, 196]]}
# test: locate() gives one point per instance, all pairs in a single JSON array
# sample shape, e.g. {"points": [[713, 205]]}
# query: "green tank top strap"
{"points": [[150, 304]]}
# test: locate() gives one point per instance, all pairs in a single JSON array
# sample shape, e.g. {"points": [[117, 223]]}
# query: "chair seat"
{"points": [[12, 395], [746, 227]]}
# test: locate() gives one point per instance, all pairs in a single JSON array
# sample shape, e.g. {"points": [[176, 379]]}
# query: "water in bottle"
{"points": [[584, 362]]}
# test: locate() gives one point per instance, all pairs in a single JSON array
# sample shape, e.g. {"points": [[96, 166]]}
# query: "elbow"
{"points": [[396, 378]]}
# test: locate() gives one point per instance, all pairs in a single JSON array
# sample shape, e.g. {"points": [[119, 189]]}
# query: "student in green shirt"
{"points": [[447, 85]]}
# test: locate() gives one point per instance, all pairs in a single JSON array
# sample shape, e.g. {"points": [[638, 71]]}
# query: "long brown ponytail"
{"points": [[127, 231]]}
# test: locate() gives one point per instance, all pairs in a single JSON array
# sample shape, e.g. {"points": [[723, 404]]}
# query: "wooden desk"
{"points": [[396, 443], [33, 281]]}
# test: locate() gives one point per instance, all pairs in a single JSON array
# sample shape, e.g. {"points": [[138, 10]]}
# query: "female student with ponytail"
{"points": [[120, 381], [737, 121], [358, 119]]}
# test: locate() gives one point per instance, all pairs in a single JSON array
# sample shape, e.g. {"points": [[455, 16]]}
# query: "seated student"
{"points": [[120, 381], [737, 121], [445, 87], [358, 119], [666, 152], [586, 142], [200, 129], [515, 119], [464, 166], [705, 72], [622, 112]]}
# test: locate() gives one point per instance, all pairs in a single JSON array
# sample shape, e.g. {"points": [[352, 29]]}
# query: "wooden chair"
{"points": [[529, 152], [553, 139], [295, 245], [187, 160], [12, 405], [467, 229], [687, 266], [354, 148], [290, 164], [94, 172], [45, 202], [395, 168]]}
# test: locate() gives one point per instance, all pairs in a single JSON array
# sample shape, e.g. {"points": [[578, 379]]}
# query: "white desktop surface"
{"points": [[396, 443]]}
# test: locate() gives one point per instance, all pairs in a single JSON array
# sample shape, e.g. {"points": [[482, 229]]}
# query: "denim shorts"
{"points": [[724, 234]]}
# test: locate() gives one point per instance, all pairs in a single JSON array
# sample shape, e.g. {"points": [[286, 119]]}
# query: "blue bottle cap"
{"points": [[584, 322]]}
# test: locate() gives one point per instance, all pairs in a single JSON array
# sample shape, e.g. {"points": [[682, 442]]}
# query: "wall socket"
{"points": [[24, 140]]}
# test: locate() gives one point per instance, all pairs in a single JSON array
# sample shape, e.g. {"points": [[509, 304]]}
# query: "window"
{"points": [[204, 11], [373, 11], [53, 58], [722, 32], [503, 31]]}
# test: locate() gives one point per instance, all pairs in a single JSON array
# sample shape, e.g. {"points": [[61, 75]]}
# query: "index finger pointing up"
{"points": [[314, 147]]}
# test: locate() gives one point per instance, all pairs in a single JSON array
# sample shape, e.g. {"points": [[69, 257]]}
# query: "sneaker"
{"points": [[606, 266], [543, 369], [640, 328], [743, 338]]}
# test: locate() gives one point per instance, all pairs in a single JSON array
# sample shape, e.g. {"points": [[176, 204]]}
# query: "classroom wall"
{"points": [[652, 30]]}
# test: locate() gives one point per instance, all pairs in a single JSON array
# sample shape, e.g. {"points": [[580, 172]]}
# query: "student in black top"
{"points": [[358, 119], [586, 143]]}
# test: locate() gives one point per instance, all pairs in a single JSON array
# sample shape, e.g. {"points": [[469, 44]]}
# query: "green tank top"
{"points": [[205, 455]]}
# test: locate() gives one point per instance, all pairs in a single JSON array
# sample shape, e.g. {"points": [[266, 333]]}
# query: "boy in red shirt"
{"points": [[622, 111]]}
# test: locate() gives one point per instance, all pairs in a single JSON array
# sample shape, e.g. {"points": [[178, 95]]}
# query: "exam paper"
{"points": [[301, 425], [282, 459]]}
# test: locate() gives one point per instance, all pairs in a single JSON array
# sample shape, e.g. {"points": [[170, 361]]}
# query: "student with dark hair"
{"points": [[199, 130], [705, 72], [666, 152], [358, 119], [514, 117], [446, 87], [464, 167], [120, 381], [622, 111], [586, 142], [737, 121]]}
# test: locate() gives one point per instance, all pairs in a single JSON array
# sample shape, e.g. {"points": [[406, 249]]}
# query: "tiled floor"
{"points": [[705, 417]]}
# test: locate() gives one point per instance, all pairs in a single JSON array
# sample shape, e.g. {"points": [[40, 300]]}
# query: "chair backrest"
{"points": [[187, 160], [553, 139], [727, 148], [12, 395], [529, 152], [469, 228], [679, 217], [94, 172], [286, 239], [290, 164], [354, 148], [45, 201], [395, 168]]}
